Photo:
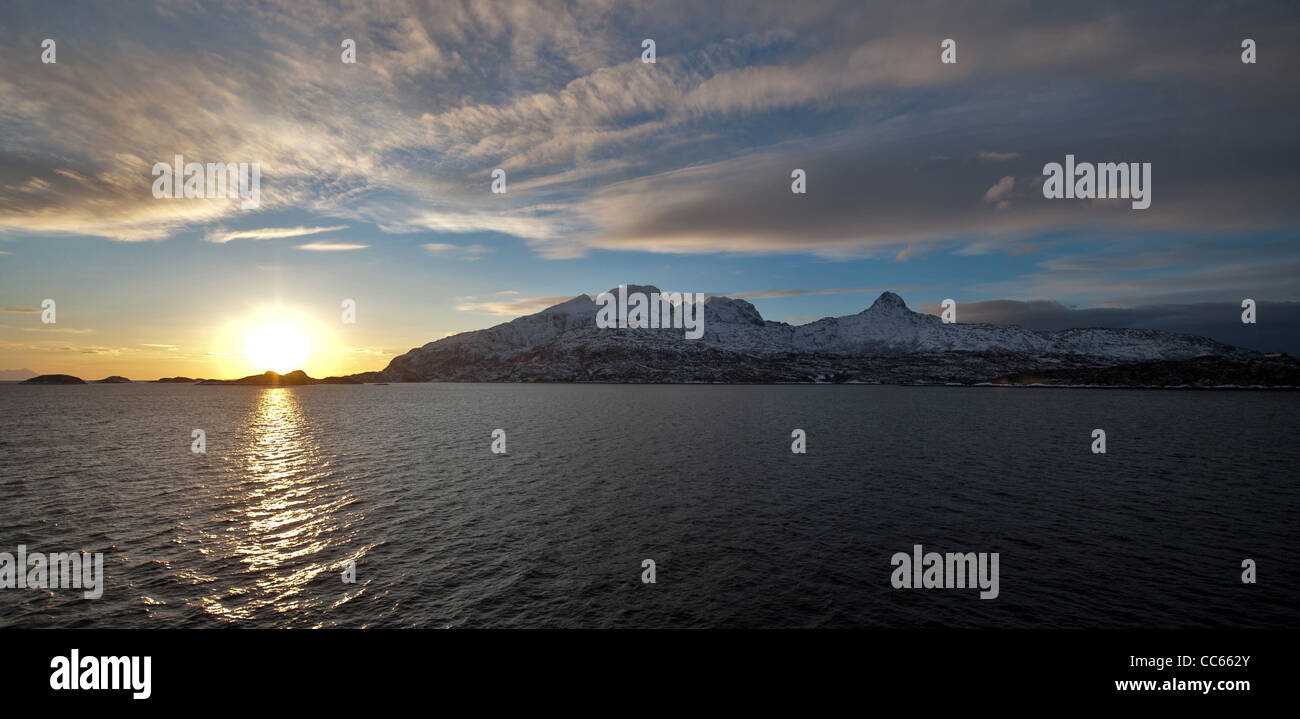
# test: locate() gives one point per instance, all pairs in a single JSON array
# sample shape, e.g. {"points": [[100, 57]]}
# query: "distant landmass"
{"points": [[54, 379], [887, 343], [14, 375], [268, 378], [114, 379], [1274, 370]]}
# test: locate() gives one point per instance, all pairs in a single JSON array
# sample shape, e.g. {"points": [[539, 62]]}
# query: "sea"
{"points": [[1187, 520]]}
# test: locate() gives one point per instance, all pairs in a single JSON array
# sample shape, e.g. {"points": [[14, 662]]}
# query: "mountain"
{"points": [[885, 343], [1275, 370], [13, 375]]}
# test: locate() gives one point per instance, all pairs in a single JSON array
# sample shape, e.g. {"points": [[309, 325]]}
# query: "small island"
{"points": [[113, 379], [269, 378], [54, 379]]}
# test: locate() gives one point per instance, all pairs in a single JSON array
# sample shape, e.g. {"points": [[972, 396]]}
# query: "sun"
{"points": [[279, 347]]}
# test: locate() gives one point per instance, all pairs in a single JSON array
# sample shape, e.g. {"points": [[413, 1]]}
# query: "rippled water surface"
{"points": [[401, 479]]}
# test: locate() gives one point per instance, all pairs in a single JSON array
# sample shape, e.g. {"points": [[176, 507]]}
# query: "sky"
{"points": [[922, 177]]}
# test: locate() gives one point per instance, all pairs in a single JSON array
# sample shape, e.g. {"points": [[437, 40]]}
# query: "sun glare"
{"points": [[278, 347]]}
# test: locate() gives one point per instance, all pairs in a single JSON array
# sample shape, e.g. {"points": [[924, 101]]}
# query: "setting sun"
{"points": [[279, 347]]}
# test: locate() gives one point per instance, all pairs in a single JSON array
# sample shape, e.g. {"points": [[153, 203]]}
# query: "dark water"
{"points": [[701, 479]]}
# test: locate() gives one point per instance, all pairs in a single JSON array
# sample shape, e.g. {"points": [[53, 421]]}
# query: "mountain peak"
{"points": [[726, 309], [579, 303], [643, 289], [889, 301]]}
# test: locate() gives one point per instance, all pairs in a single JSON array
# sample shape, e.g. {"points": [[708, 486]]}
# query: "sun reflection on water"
{"points": [[284, 512]]}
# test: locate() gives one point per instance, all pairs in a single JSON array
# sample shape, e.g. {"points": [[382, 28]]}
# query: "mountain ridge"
{"points": [[886, 342]]}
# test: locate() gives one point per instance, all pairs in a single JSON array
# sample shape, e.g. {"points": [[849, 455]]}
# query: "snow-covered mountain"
{"points": [[886, 342]]}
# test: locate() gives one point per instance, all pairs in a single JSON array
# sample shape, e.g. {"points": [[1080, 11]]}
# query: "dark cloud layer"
{"points": [[1273, 331]]}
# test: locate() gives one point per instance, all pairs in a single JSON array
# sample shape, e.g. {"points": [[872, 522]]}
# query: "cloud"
{"points": [[32, 184], [526, 222], [510, 308], [1217, 320], [368, 351], [72, 175], [269, 233], [93, 349], [606, 152], [331, 246], [1171, 271], [20, 310], [1000, 190], [461, 252], [768, 294]]}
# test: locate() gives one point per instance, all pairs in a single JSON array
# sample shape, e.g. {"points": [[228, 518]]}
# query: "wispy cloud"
{"points": [[383, 352], [331, 246], [61, 330], [768, 294], [563, 103], [269, 233], [1000, 190], [510, 308], [691, 155], [460, 252], [93, 349]]}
